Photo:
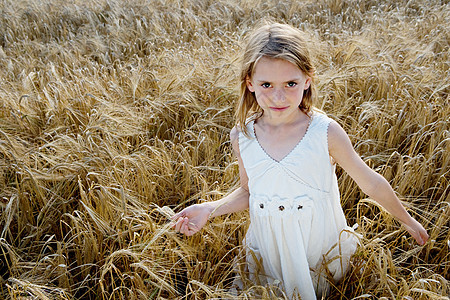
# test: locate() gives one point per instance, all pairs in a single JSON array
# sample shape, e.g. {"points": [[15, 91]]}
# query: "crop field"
{"points": [[115, 114]]}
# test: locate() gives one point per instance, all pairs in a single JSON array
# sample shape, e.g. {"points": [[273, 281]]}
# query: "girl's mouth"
{"points": [[279, 108]]}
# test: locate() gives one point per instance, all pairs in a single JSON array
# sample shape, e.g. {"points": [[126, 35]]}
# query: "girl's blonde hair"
{"points": [[272, 40]]}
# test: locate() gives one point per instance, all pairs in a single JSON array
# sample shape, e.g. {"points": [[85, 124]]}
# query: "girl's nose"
{"points": [[279, 95]]}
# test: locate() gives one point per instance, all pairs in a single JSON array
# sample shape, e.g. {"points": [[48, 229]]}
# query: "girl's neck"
{"points": [[274, 122]]}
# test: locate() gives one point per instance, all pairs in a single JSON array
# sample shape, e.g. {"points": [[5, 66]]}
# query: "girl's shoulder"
{"points": [[234, 133], [334, 130], [238, 128], [234, 139], [320, 117], [246, 129]]}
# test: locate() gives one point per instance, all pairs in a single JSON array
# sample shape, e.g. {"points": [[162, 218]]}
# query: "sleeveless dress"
{"points": [[298, 232]]}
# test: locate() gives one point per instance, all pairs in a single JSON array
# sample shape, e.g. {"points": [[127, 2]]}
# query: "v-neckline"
{"points": [[292, 150]]}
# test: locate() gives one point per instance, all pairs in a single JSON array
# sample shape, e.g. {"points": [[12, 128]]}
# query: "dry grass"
{"points": [[113, 113]]}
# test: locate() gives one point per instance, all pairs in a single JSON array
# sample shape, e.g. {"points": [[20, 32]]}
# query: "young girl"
{"points": [[287, 154]]}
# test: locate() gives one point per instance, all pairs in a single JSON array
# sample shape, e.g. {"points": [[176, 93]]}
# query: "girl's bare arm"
{"points": [[237, 200], [371, 183], [191, 219]]}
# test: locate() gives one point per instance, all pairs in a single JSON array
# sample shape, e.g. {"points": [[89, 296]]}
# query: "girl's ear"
{"points": [[307, 83], [249, 84]]}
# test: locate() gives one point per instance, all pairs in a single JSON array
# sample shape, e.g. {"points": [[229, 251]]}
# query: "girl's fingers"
{"points": [[424, 236], [181, 229], [184, 226], [179, 224], [192, 229], [177, 215], [420, 235], [188, 228], [176, 225], [417, 236], [419, 240]]}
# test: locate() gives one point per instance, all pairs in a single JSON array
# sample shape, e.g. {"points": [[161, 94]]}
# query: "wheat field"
{"points": [[114, 114]]}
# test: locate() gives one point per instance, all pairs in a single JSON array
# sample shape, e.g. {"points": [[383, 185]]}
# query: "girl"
{"points": [[287, 153]]}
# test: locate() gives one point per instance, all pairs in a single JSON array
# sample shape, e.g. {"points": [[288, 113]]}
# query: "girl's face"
{"points": [[278, 86]]}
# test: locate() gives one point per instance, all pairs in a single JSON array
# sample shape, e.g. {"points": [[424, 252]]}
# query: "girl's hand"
{"points": [[417, 231], [191, 219]]}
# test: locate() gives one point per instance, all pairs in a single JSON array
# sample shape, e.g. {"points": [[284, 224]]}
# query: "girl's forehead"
{"points": [[275, 68]]}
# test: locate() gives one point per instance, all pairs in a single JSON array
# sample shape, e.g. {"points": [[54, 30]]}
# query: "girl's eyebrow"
{"points": [[261, 80]]}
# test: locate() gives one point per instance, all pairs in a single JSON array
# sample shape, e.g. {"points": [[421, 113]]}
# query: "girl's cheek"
{"points": [[266, 93], [260, 93]]}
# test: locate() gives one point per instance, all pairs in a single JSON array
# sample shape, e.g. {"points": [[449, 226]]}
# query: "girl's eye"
{"points": [[291, 84], [265, 85]]}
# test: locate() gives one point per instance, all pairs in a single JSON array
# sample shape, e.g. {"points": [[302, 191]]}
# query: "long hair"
{"points": [[272, 40]]}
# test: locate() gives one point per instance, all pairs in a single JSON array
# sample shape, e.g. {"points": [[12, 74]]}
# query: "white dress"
{"points": [[298, 229]]}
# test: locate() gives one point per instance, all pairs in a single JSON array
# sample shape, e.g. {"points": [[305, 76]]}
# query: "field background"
{"points": [[113, 113]]}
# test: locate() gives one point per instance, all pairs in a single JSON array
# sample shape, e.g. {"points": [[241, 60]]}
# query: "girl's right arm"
{"points": [[191, 219]]}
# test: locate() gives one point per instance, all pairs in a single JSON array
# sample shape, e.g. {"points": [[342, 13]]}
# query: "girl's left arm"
{"points": [[371, 183]]}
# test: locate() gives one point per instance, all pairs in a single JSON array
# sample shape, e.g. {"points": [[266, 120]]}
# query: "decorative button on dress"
{"points": [[297, 227]]}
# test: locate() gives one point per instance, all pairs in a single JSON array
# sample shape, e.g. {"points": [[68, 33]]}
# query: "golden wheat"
{"points": [[115, 113]]}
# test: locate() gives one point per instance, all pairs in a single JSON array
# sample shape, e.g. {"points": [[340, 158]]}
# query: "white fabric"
{"points": [[293, 242]]}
